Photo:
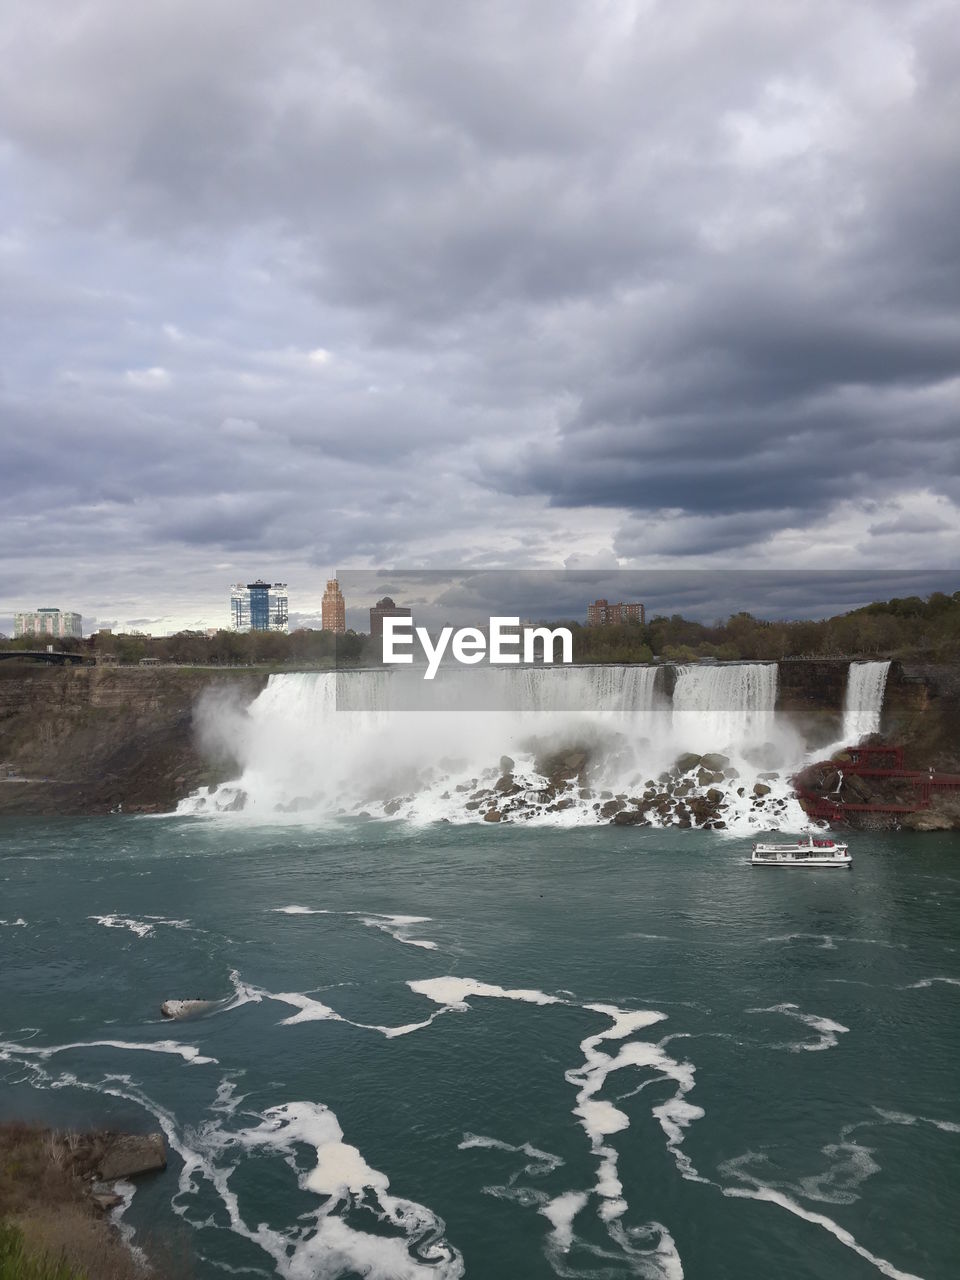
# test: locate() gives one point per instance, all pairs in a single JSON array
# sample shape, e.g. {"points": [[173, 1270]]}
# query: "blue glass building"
{"points": [[259, 606]]}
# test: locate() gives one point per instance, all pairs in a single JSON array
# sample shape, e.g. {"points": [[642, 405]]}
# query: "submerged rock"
{"points": [[185, 1008]]}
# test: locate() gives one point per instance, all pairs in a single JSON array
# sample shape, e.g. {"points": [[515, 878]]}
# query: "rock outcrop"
{"points": [[109, 739], [127, 1155]]}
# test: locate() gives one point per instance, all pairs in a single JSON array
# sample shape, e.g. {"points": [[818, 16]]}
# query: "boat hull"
{"points": [[840, 864]]}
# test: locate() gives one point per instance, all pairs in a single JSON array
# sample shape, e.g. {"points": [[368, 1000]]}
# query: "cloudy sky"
{"points": [[295, 287]]}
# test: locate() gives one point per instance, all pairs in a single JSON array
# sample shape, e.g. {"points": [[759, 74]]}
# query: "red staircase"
{"points": [[875, 762]]}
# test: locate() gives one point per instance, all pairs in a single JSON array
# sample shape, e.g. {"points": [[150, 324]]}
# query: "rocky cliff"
{"points": [[915, 789], [79, 740]]}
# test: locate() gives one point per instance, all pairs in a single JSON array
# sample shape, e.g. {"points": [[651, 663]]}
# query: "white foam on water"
{"points": [[536, 1164], [340, 1167], [828, 941], [676, 1115], [849, 1164], [341, 1174], [243, 993], [142, 928], [452, 993], [310, 1010], [560, 1213], [126, 1191], [327, 1247], [821, 1220], [139, 927], [828, 1029], [599, 1118], [188, 1052], [901, 1118], [924, 983], [321, 1246], [14, 924], [541, 1162], [397, 926]]}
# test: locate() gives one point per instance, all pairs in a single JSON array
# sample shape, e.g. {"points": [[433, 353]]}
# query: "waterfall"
{"points": [[385, 742], [725, 706], [863, 700]]}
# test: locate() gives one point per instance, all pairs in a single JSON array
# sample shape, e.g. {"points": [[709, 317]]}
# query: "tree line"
{"points": [[912, 627]]}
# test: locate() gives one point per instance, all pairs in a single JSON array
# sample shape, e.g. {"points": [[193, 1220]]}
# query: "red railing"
{"points": [[863, 762]]}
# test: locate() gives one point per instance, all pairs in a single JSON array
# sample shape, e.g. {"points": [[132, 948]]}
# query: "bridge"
{"points": [[41, 655]]}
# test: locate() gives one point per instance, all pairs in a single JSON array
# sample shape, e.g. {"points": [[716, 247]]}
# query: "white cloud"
{"points": [[148, 379]]}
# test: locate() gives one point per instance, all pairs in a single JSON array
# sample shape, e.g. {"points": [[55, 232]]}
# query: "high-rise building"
{"points": [[334, 611], [259, 606], [385, 608], [603, 614], [50, 623]]}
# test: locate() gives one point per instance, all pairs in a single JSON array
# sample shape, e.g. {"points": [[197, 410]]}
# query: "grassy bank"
{"points": [[54, 1215]]}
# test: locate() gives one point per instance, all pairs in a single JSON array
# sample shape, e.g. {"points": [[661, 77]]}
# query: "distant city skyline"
{"points": [[697, 594]]}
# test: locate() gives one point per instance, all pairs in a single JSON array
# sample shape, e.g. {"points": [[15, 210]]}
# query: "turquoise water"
{"points": [[794, 1112]]}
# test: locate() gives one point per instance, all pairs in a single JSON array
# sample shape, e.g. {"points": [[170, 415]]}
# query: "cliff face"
{"points": [[921, 715], [87, 739]]}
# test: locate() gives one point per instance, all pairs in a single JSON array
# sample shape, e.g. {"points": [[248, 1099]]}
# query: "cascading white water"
{"points": [[863, 700], [331, 743], [725, 707]]}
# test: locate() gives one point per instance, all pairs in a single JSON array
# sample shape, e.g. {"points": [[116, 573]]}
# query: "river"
{"points": [[498, 1051]]}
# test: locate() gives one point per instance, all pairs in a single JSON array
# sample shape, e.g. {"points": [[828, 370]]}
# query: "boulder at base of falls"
{"points": [[563, 764], [507, 785], [761, 789], [707, 776], [506, 764], [687, 761], [704, 810], [715, 762], [715, 796], [492, 815], [610, 808], [628, 818]]}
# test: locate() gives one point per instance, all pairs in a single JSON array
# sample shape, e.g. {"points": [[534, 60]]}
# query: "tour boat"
{"points": [[802, 853]]}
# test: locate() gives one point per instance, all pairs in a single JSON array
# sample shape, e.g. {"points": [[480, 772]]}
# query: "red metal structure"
{"points": [[875, 762]]}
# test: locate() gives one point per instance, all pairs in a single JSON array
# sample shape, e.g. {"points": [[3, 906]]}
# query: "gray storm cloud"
{"points": [[511, 284]]}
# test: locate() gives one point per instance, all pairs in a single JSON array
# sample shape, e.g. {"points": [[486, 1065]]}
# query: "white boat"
{"points": [[807, 852]]}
